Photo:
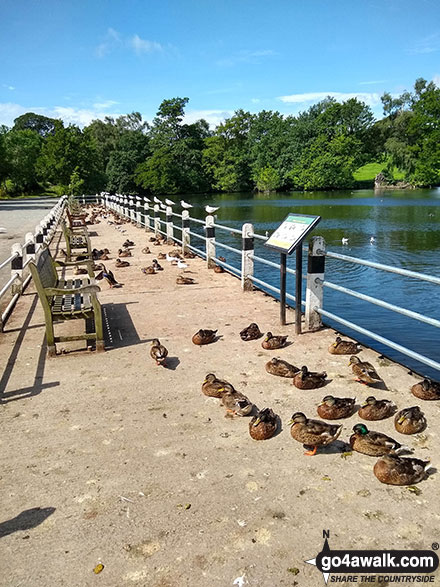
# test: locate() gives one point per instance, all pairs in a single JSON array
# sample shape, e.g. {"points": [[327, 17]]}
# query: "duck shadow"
{"points": [[379, 385], [172, 363], [336, 447], [25, 520]]}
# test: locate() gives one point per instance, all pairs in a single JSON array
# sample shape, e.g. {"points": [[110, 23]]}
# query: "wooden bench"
{"points": [[75, 220], [67, 299], [76, 241]]}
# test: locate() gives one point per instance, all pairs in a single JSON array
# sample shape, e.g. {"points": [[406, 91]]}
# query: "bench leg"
{"points": [[51, 350], [50, 336], [100, 346]]}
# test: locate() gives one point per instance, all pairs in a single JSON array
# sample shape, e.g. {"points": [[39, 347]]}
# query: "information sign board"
{"points": [[291, 232]]}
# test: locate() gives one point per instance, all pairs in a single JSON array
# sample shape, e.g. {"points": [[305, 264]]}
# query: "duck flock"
{"points": [[390, 468]]}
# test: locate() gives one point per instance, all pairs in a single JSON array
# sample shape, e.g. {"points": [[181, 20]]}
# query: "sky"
{"points": [[79, 60]]}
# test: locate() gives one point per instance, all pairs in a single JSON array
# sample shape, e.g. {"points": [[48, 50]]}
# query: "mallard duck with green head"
{"points": [[344, 347], [306, 379], [334, 408], [395, 470], [213, 387], [281, 368], [410, 421], [313, 433], [272, 342], [263, 425], [426, 389], [364, 371], [376, 409], [375, 444]]}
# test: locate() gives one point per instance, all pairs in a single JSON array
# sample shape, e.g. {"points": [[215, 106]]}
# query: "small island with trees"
{"points": [[330, 146]]}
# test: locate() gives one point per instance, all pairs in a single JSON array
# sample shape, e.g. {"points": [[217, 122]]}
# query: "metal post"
{"points": [[156, 220], [298, 288], [210, 241], [315, 277], [17, 267], [247, 251], [283, 264], [170, 226], [185, 231]]}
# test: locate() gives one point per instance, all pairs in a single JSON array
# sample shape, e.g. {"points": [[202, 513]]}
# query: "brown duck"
{"points": [[120, 263], [204, 336], [158, 352], [372, 443], [313, 433], [365, 372], [395, 470], [376, 409], [410, 421], [343, 347], [263, 425], [272, 342], [218, 269], [426, 389], [281, 368], [306, 379], [148, 270], [213, 387], [124, 253], [251, 332], [236, 403], [182, 280], [334, 408]]}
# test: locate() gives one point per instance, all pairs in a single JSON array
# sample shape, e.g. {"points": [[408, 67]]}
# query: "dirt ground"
{"points": [[110, 459]]}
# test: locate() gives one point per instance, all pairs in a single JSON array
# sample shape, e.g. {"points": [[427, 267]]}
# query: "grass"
{"points": [[369, 171]]}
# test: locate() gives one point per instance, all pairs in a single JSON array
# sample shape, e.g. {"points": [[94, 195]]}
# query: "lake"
{"points": [[406, 230]]}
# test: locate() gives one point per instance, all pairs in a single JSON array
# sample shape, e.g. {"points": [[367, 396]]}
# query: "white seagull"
{"points": [[2, 230], [185, 205], [169, 202], [147, 200], [211, 209], [344, 241], [372, 240], [181, 264], [156, 200]]}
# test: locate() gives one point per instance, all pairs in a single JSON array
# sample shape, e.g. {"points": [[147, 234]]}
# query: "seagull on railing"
{"points": [[211, 209], [344, 241], [156, 200], [185, 205], [169, 202], [147, 199]]}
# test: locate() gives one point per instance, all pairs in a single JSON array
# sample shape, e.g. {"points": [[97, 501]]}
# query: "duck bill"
{"points": [[257, 421], [401, 420], [291, 422]]}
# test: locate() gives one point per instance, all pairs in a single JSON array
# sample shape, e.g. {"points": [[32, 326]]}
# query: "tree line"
{"points": [[317, 149]]}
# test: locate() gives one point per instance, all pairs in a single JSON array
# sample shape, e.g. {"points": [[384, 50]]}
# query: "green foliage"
{"points": [[267, 179], [22, 151], [76, 184], [40, 124]]}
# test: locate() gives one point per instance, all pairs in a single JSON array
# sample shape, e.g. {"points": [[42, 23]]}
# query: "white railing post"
{"points": [[247, 252], [210, 240], [131, 209], [185, 231], [125, 212], [314, 287], [170, 226], [17, 268], [30, 246], [147, 213], [138, 212], [156, 220], [39, 238]]}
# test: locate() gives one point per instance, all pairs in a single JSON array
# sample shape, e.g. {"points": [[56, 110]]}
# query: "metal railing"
{"points": [[140, 211]]}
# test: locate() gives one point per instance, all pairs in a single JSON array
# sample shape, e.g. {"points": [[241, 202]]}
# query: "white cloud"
{"points": [[255, 100], [213, 117], [436, 79], [246, 56], [104, 105], [371, 99], [429, 44], [373, 83], [11, 88], [111, 40], [143, 46]]}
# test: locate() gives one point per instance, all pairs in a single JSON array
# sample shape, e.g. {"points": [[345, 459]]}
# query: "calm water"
{"points": [[406, 227]]}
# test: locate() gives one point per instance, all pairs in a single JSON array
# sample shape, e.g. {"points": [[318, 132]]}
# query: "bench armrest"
{"points": [[73, 263], [85, 289]]}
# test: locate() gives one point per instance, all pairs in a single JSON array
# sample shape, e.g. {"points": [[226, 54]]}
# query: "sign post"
{"points": [[286, 238]]}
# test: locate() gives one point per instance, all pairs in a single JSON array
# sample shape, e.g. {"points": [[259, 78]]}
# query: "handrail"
{"points": [[197, 235], [8, 260], [382, 267], [8, 284], [229, 229], [223, 246], [223, 264]]}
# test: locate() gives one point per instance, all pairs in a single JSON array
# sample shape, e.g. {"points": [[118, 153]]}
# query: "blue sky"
{"points": [[85, 59]]}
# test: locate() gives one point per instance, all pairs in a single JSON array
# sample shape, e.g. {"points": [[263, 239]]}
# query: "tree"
{"points": [[131, 149], [267, 179], [22, 151], [42, 125]]}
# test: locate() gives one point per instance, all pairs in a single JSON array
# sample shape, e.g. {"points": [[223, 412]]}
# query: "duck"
{"points": [[426, 390], [372, 443], [313, 433], [263, 425], [365, 372], [189, 255], [213, 387], [306, 379], [272, 342], [204, 336], [343, 347], [334, 408], [251, 332], [182, 280], [281, 368], [119, 263], [128, 243], [395, 470], [148, 270], [161, 256], [146, 250], [223, 259], [156, 265], [410, 420], [218, 269], [376, 409], [80, 271], [158, 352], [124, 253], [236, 403], [108, 276]]}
